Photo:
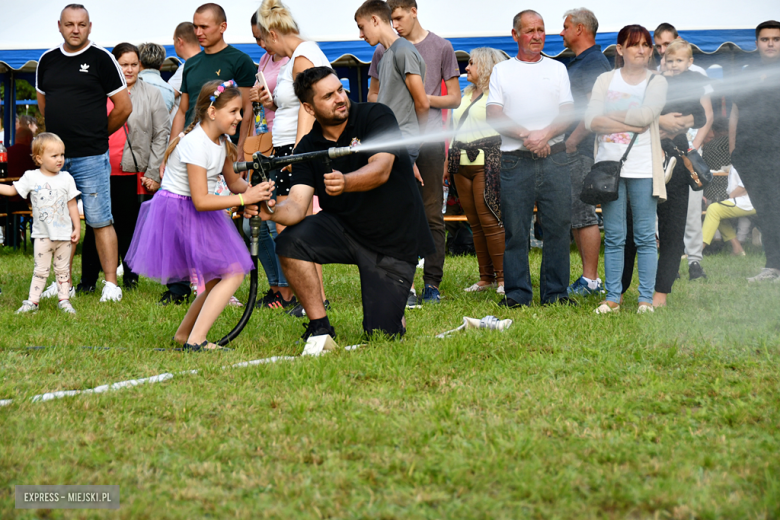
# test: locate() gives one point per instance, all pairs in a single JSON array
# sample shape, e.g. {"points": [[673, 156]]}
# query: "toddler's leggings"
{"points": [[45, 251]]}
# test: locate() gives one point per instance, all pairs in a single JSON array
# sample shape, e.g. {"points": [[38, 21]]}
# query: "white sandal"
{"points": [[605, 308], [645, 308]]}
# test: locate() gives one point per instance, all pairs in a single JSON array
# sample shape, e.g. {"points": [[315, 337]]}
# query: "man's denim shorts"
{"points": [[93, 179]]}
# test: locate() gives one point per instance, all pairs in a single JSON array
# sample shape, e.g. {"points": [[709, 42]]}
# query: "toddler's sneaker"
{"points": [[111, 292], [65, 306], [27, 306]]}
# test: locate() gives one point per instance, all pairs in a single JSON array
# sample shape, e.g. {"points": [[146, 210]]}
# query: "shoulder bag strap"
{"points": [[465, 114], [130, 145], [633, 139]]}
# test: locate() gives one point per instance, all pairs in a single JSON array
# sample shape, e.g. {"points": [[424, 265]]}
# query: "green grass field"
{"points": [[565, 415]]}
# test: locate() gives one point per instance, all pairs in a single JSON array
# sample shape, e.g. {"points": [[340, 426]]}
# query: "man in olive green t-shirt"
{"points": [[218, 60]]}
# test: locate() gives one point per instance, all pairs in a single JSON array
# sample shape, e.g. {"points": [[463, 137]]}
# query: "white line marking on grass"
{"points": [[160, 378]]}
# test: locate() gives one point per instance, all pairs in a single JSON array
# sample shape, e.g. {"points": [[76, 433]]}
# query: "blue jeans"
{"points": [[93, 179], [643, 206], [266, 253], [546, 182]]}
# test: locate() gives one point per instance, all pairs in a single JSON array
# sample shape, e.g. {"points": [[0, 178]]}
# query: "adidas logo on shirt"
{"points": [[84, 68]]}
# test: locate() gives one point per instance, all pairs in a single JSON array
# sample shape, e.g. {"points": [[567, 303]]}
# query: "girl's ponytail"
{"points": [[175, 142]]}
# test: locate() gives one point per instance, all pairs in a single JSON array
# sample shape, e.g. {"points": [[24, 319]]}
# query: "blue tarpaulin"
{"points": [[707, 41]]}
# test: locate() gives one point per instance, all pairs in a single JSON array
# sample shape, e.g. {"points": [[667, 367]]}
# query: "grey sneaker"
{"points": [[413, 301], [66, 306], [767, 274], [27, 306]]}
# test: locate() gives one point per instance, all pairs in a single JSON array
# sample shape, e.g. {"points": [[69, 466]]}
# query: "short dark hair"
{"points": [[519, 16], [186, 31], [124, 48], [151, 55], [216, 10], [305, 81], [377, 8], [665, 27], [74, 6], [254, 18], [402, 4], [769, 24]]}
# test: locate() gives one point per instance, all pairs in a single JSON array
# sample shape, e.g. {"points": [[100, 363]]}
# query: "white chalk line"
{"points": [[49, 396]]}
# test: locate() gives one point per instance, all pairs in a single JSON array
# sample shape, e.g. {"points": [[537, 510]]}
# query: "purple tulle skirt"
{"points": [[174, 242]]}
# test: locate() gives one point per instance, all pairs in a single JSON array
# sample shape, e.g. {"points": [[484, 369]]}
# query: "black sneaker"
{"points": [[129, 285], [83, 288], [299, 312], [317, 331], [280, 303], [511, 304], [177, 299], [266, 299], [695, 271]]}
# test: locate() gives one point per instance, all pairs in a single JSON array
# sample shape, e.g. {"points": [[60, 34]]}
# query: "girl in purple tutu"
{"points": [[184, 231]]}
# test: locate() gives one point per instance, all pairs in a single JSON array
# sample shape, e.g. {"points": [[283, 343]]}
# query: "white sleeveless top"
{"points": [[288, 104]]}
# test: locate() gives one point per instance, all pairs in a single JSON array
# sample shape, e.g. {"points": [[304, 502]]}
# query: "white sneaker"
{"points": [[52, 291], [477, 288], [500, 290], [767, 274], [111, 292], [120, 271], [66, 306], [27, 306]]}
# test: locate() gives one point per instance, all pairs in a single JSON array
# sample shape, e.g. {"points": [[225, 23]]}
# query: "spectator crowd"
{"points": [[151, 160]]}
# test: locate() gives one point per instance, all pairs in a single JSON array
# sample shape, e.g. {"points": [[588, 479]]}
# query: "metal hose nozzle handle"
{"points": [[333, 153]]}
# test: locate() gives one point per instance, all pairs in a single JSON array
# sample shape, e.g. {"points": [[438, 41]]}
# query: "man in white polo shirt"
{"points": [[530, 105]]}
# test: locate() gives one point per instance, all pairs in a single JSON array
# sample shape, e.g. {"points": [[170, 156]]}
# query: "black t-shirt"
{"points": [[76, 86], [390, 219], [684, 95], [758, 131]]}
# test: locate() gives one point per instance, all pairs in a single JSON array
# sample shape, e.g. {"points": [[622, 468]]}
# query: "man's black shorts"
{"points": [[384, 281]]}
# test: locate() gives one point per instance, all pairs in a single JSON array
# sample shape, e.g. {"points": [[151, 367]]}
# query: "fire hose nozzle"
{"points": [[334, 153]]}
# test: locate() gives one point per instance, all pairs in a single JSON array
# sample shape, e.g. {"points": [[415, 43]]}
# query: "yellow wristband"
{"points": [[241, 199]]}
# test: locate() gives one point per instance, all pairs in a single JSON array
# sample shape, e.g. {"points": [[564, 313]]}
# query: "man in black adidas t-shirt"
{"points": [[73, 81], [372, 214]]}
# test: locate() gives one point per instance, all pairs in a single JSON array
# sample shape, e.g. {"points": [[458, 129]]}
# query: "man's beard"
{"points": [[334, 118]]}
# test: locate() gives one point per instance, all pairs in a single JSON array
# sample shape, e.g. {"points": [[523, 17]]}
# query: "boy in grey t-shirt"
{"points": [[401, 71]]}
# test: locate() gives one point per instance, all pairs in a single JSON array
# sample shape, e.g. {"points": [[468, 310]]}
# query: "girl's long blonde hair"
{"points": [[201, 108], [485, 58]]}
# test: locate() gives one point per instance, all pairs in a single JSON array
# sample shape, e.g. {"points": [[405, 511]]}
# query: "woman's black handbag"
{"points": [[701, 175], [601, 183]]}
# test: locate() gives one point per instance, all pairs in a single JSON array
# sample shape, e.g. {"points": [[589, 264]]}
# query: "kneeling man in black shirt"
{"points": [[372, 213]]}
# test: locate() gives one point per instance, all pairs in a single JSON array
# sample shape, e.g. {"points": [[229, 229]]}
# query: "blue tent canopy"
{"points": [[707, 41]]}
